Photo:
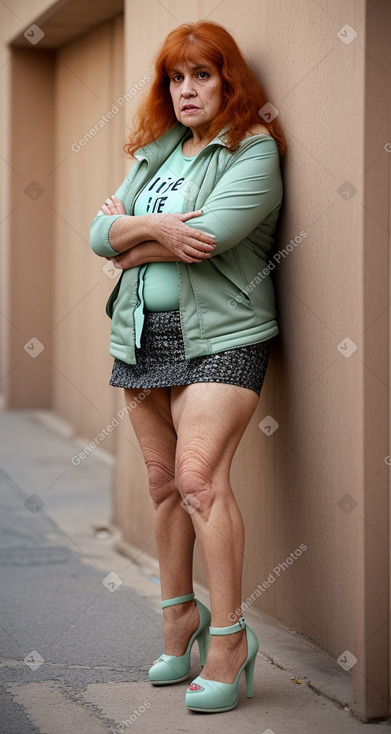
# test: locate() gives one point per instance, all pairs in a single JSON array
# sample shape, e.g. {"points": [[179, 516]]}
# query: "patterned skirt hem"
{"points": [[161, 360]]}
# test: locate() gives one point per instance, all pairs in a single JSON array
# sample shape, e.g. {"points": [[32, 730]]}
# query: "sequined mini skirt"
{"points": [[161, 360]]}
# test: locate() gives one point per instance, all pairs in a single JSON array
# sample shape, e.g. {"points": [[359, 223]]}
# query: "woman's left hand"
{"points": [[113, 205]]}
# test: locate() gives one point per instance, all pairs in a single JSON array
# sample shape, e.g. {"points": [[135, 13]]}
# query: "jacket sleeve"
{"points": [[102, 223], [244, 196]]}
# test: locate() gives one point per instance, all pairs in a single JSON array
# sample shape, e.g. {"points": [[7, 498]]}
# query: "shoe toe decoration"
{"points": [[195, 687]]}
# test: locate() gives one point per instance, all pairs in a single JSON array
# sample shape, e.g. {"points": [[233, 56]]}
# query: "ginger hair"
{"points": [[243, 96]]}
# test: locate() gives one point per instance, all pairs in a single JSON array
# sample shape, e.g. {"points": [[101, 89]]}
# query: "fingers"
{"points": [[206, 237], [191, 215], [197, 248], [194, 252], [188, 259], [202, 247], [201, 241], [108, 205], [113, 205]]}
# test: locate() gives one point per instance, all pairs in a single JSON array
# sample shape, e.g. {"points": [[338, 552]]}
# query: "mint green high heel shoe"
{"points": [[169, 669], [211, 696]]}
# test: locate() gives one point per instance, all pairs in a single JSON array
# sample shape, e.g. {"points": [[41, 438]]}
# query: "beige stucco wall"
{"points": [[332, 410], [89, 76]]}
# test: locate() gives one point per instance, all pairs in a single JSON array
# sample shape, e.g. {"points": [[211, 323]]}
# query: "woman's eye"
{"points": [[203, 74], [176, 78]]}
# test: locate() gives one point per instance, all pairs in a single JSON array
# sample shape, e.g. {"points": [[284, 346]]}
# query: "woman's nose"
{"points": [[188, 88]]}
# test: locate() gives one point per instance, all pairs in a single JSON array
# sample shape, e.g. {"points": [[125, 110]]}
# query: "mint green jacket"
{"points": [[224, 301]]}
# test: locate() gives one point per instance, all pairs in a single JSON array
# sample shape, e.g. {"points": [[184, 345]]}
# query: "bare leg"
{"points": [[210, 419], [173, 528]]}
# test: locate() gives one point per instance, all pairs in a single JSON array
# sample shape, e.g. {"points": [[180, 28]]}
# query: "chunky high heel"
{"points": [[169, 669], [211, 696]]}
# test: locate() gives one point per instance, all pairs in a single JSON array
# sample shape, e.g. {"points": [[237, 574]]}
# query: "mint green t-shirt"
{"points": [[158, 284]]}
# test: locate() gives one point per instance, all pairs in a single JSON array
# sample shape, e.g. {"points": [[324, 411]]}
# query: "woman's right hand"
{"points": [[188, 244]]}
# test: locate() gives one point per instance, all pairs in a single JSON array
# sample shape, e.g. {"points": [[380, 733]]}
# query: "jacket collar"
{"points": [[169, 140]]}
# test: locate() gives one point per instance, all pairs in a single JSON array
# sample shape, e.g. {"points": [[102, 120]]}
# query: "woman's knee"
{"points": [[161, 480], [195, 480]]}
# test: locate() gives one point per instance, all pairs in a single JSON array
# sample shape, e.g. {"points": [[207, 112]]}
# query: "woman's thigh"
{"points": [[153, 426], [209, 419]]}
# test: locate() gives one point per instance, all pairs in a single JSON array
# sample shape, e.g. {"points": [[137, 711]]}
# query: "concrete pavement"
{"points": [[80, 622]]}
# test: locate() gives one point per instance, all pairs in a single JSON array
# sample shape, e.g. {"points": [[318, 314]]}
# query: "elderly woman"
{"points": [[192, 321]]}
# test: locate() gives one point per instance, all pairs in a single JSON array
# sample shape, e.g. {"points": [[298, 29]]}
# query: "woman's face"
{"points": [[196, 93]]}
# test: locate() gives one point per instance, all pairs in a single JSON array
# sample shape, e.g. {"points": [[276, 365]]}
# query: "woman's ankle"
{"points": [[178, 626]]}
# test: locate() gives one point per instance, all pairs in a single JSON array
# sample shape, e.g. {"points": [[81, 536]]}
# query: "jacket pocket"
{"points": [[231, 268]]}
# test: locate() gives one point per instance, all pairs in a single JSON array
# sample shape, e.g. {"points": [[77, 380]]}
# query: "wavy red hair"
{"points": [[243, 95]]}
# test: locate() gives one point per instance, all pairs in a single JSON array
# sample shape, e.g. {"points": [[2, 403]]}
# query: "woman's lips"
{"points": [[189, 110]]}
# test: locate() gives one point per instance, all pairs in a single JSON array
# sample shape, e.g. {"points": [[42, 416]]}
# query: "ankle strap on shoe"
{"points": [[177, 600], [240, 625]]}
